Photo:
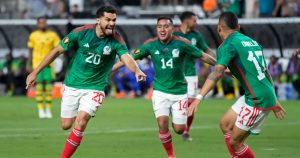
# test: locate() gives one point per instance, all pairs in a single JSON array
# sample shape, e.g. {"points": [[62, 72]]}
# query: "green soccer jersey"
{"points": [[245, 59], [93, 59], [197, 40], [168, 61]]}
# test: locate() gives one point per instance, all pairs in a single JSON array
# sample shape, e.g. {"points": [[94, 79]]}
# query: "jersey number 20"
{"points": [[93, 58], [258, 66]]}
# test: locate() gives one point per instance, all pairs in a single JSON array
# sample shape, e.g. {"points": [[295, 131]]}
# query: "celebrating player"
{"points": [[40, 43], [187, 30], [245, 59], [97, 46], [170, 89]]}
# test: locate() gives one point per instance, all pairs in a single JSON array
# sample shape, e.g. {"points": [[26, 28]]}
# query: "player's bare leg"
{"points": [[67, 123], [76, 134], [165, 135], [237, 140], [226, 124], [186, 134]]}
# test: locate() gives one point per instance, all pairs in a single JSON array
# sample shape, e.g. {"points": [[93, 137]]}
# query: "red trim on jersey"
{"points": [[84, 27], [118, 37], [181, 39], [270, 108], [150, 40], [247, 83]]}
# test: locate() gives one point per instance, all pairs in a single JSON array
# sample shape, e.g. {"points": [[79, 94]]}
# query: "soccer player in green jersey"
{"points": [[96, 48], [187, 30], [245, 59], [170, 88]]}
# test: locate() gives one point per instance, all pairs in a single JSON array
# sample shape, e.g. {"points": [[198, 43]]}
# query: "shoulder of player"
{"points": [[150, 40], [117, 36], [84, 28], [180, 39], [176, 29]]}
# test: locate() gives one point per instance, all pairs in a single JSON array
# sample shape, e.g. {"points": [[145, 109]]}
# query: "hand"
{"points": [[139, 75], [227, 71], [296, 52], [30, 79], [193, 107], [279, 111]]}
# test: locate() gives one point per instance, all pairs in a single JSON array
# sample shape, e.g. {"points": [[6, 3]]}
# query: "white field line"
{"points": [[51, 131]]}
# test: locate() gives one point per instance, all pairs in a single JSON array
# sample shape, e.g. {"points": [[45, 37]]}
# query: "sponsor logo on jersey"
{"points": [[175, 53], [66, 40], [156, 52], [106, 50], [137, 51], [87, 45], [193, 41]]}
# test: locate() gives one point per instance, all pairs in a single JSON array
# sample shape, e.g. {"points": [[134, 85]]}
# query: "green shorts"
{"points": [[46, 75]]}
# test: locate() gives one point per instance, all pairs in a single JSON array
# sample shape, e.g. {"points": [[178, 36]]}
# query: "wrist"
{"points": [[199, 97]]}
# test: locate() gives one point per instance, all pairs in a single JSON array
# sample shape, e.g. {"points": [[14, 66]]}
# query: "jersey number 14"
{"points": [[258, 66], [166, 64]]}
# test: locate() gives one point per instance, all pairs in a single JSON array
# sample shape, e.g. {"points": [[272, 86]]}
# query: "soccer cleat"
{"points": [[48, 113], [42, 114], [187, 137]]}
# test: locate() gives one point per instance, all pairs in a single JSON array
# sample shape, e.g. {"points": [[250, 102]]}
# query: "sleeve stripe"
{"points": [[182, 40], [150, 40], [85, 27], [119, 38]]}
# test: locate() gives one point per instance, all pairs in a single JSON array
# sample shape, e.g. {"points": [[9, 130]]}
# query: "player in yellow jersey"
{"points": [[40, 43]]}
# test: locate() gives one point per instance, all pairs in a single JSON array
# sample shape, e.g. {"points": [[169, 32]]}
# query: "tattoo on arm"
{"points": [[216, 74]]}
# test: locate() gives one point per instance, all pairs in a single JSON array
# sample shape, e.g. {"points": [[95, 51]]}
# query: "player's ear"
{"points": [[239, 27], [98, 21]]}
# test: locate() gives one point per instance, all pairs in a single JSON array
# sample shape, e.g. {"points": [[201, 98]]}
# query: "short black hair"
{"points": [[165, 18], [40, 17], [107, 9], [229, 19], [186, 15]]}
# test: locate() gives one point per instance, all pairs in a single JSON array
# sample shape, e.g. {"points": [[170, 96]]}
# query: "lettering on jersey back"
{"points": [[249, 43]]}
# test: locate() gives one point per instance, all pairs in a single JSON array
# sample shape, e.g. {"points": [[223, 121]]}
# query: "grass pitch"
{"points": [[127, 128]]}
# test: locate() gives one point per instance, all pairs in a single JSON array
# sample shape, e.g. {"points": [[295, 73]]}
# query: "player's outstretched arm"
{"points": [[211, 52], [208, 59], [46, 61], [209, 84], [117, 66], [133, 67]]}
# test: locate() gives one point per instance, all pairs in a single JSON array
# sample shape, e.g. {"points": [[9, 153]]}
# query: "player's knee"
{"points": [[66, 126], [179, 131], [225, 126]]}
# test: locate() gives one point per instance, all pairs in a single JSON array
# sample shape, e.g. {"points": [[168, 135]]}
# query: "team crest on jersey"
{"points": [[137, 51], [193, 41], [66, 40], [175, 53], [106, 50]]}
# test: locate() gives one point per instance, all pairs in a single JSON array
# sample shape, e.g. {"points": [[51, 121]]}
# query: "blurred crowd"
{"points": [[86, 9], [123, 84]]}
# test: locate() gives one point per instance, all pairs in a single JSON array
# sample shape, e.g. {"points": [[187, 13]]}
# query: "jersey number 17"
{"points": [[260, 67]]}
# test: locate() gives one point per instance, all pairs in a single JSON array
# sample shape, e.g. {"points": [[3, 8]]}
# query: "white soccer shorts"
{"points": [[165, 104], [74, 100], [192, 82], [249, 118]]}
